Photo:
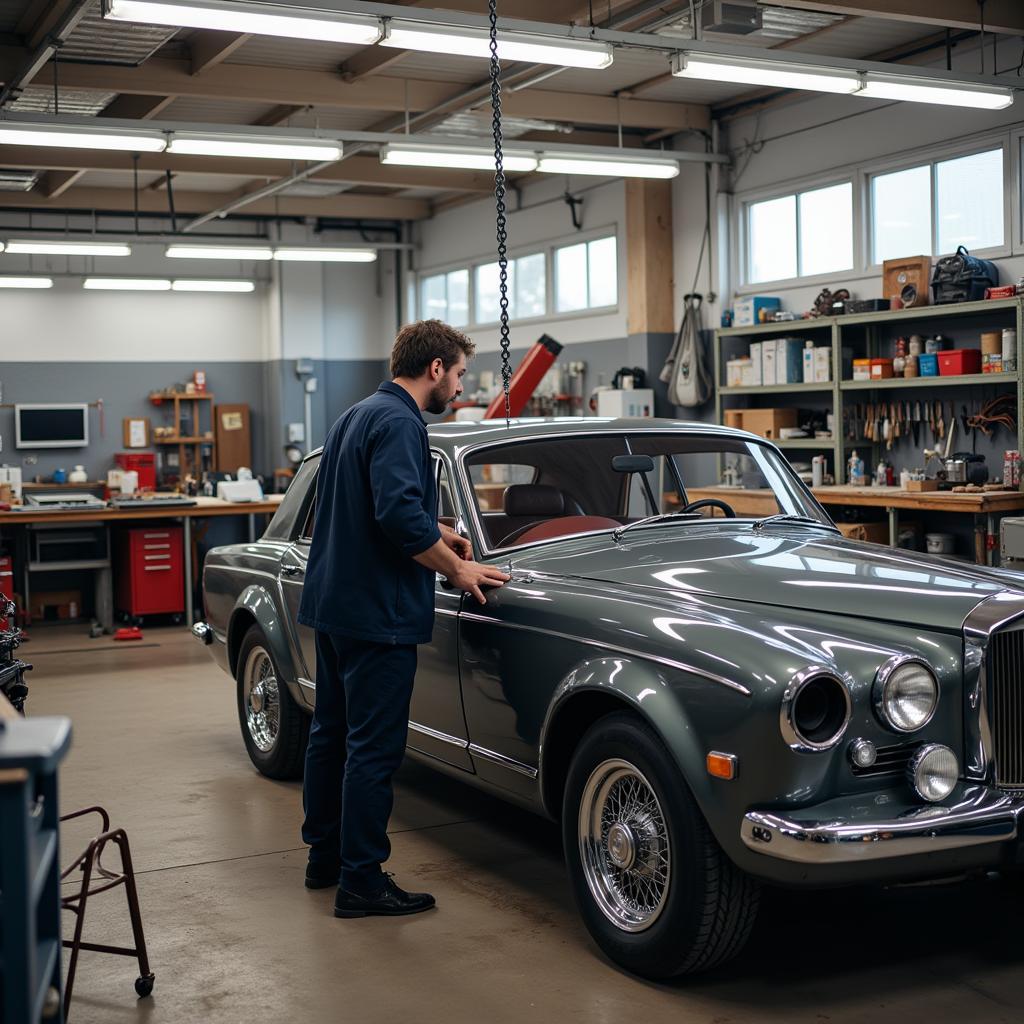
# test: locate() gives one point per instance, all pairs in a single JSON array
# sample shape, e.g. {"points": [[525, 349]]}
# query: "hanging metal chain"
{"points": [[499, 203]]}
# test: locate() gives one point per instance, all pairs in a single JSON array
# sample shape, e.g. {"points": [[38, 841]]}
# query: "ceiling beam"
{"points": [[209, 48], [1000, 15], [39, 19], [370, 61], [277, 116], [122, 199], [137, 108], [165, 77], [357, 170], [56, 183]]}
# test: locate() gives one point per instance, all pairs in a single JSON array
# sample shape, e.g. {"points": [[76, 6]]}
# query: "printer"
{"points": [[245, 488]]}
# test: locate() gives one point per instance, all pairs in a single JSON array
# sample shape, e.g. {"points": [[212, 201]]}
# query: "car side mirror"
{"points": [[632, 463]]}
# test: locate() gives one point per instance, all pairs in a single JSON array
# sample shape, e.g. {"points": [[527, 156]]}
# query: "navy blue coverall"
{"points": [[370, 603]]}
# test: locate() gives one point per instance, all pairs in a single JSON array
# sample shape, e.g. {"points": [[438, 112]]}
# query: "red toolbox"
{"points": [[150, 571], [958, 361], [144, 463], [6, 578]]}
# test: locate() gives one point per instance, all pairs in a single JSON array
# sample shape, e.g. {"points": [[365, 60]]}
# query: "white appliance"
{"points": [[12, 475], [630, 403], [240, 490]]}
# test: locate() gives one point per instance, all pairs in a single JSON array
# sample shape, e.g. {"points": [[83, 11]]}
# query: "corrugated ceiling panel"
{"points": [[116, 179], [292, 53], [205, 111], [39, 99]]}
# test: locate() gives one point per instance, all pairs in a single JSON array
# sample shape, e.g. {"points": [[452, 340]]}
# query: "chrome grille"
{"points": [[1005, 670], [889, 761]]}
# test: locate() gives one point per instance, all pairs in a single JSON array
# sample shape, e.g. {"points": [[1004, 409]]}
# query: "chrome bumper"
{"points": [[977, 816], [203, 632]]}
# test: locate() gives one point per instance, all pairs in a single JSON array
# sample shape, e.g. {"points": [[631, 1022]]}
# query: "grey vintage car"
{"points": [[707, 702]]}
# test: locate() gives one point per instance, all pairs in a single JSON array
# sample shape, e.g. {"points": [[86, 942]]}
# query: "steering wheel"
{"points": [[694, 506]]}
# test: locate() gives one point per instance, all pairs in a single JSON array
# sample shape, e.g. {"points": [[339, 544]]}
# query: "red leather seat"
{"points": [[566, 526]]}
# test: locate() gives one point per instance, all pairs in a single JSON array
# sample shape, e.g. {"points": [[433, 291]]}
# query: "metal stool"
{"points": [[90, 863]]}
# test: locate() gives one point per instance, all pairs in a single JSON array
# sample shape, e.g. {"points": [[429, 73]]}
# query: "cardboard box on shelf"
{"points": [[907, 278], [56, 604], [734, 372], [822, 364], [733, 418], [769, 373], [756, 363], [768, 422], [747, 309], [789, 354], [876, 533]]}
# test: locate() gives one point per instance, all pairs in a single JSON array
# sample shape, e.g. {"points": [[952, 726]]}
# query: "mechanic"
{"points": [[369, 594]]}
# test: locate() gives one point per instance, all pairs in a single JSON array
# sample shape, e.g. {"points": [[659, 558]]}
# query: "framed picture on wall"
{"points": [[135, 431]]}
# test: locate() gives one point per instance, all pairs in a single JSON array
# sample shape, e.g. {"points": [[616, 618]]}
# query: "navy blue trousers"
{"points": [[356, 743]]}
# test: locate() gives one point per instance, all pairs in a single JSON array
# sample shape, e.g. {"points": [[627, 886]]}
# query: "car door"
{"points": [[291, 576], [437, 723]]}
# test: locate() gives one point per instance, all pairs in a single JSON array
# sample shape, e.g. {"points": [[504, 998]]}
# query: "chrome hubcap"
{"points": [[624, 845], [262, 700]]}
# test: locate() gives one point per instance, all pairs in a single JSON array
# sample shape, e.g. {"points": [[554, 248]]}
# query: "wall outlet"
{"points": [[28, 460], [296, 433]]}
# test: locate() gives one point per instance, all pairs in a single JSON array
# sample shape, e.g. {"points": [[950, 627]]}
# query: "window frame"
{"points": [[1010, 139], [547, 249], [554, 277], [421, 279]]}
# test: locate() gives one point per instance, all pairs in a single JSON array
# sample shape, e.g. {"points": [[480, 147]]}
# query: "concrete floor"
{"points": [[234, 936]]}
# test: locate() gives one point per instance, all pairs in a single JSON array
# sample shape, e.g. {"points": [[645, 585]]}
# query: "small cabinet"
{"points": [[150, 571]]}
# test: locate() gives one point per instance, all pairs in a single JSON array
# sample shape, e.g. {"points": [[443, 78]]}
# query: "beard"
{"points": [[439, 399]]}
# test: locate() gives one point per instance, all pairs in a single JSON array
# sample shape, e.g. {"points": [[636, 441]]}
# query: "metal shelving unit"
{"points": [[869, 326]]}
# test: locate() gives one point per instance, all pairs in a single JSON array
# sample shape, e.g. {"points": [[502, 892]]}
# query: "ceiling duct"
{"points": [[96, 41], [39, 99], [730, 17], [478, 125], [777, 23], [18, 181]]}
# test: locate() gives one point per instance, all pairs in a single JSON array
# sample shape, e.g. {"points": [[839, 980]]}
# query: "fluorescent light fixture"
{"points": [[712, 67], [250, 147], [258, 18], [47, 247], [460, 41], [219, 252], [17, 133], [213, 286], [26, 282], [297, 254], [126, 284], [468, 158], [612, 166], [923, 90]]}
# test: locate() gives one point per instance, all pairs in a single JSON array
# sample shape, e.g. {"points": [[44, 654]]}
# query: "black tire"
{"points": [[280, 749], [703, 912]]}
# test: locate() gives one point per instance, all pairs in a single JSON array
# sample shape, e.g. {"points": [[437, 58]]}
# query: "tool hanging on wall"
{"points": [[499, 207]]}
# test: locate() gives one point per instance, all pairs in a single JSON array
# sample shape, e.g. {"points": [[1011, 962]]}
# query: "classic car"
{"points": [[706, 701]]}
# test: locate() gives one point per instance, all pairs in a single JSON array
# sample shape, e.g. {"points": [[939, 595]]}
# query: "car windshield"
{"points": [[546, 487]]}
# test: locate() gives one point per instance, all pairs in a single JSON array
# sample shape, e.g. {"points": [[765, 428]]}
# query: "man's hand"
{"points": [[472, 576], [457, 543]]}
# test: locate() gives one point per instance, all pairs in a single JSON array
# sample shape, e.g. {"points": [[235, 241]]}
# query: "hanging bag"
{"points": [[962, 278], [686, 371]]}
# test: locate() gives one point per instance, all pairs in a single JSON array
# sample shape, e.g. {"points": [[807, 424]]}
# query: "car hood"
{"points": [[783, 566]]}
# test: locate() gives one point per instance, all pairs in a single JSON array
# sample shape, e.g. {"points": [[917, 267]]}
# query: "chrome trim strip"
{"points": [[500, 759], [612, 648], [980, 816], [453, 613], [436, 734], [202, 632], [993, 612], [307, 684]]}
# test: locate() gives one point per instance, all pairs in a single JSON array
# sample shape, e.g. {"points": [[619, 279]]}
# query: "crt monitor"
{"points": [[51, 426]]}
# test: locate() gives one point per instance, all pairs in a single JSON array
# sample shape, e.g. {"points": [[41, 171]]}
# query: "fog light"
{"points": [[933, 772], [862, 753]]}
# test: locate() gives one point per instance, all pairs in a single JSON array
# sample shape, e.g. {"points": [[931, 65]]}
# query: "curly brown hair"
{"points": [[420, 343]]}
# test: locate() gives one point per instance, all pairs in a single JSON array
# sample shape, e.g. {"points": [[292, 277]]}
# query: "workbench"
{"points": [[204, 508], [985, 506]]}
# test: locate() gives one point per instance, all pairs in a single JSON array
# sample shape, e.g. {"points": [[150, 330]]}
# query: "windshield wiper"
{"points": [[617, 534], [788, 517]]}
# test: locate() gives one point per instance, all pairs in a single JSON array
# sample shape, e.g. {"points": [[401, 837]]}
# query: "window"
{"points": [[933, 208], [446, 297], [586, 275], [801, 234], [527, 289]]}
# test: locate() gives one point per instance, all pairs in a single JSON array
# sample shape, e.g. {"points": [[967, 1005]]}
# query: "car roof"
{"points": [[455, 437]]}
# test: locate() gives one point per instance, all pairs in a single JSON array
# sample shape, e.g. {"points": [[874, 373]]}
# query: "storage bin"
{"points": [[928, 364], [881, 369], [144, 463], [959, 361]]}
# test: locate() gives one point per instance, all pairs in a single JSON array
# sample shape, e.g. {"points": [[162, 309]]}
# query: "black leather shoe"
{"points": [[391, 901], [322, 876]]}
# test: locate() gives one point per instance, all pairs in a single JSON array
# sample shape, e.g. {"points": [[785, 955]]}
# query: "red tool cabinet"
{"points": [[150, 571], [6, 578]]}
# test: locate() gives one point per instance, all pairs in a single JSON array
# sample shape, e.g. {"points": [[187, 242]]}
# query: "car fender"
{"points": [[602, 685], [256, 604]]}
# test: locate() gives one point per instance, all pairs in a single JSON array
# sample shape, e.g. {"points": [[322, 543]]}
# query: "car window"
{"points": [[491, 478], [447, 511], [306, 533], [297, 499]]}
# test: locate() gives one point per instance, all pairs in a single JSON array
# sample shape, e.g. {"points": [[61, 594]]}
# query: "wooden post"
{"points": [[651, 307]]}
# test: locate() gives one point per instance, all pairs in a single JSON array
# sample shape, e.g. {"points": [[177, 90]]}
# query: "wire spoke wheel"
{"points": [[624, 845], [262, 699]]}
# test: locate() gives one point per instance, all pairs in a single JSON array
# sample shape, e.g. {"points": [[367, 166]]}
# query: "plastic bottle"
{"points": [[855, 469]]}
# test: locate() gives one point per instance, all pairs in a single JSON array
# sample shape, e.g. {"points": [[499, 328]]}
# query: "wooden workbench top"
{"points": [[203, 508], [878, 497]]}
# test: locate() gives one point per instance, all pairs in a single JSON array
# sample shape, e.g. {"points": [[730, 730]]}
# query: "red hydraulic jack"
{"points": [[524, 381]]}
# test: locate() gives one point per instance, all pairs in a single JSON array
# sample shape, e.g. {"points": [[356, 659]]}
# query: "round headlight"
{"points": [[933, 772], [816, 709], [906, 695]]}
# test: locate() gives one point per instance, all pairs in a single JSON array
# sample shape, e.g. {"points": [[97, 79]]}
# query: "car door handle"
{"points": [[292, 570]]}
